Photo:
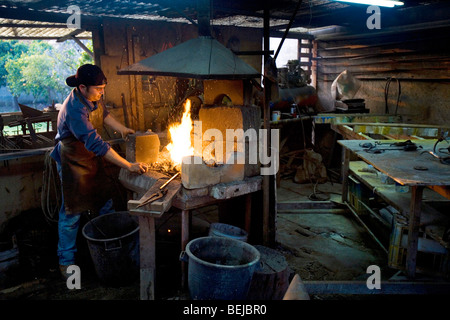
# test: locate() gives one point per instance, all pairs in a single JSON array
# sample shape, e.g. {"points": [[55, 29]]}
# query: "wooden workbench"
{"points": [[400, 166], [185, 200]]}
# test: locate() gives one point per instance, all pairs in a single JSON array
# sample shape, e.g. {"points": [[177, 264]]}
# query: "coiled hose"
{"points": [[51, 198]]}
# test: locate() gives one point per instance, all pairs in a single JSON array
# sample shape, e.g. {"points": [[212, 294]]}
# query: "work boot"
{"points": [[63, 270]]}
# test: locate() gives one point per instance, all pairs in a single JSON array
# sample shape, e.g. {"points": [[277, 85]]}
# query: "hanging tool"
{"points": [[405, 146], [397, 144], [159, 194], [442, 159]]}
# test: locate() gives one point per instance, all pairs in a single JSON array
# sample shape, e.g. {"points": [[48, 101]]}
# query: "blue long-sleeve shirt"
{"points": [[73, 120]]}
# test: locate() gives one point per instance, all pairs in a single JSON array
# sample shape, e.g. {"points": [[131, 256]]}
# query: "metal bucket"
{"points": [[220, 268], [113, 242], [223, 230]]}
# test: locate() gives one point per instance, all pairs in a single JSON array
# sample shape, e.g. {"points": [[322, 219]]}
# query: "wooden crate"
{"points": [[357, 193], [432, 257]]}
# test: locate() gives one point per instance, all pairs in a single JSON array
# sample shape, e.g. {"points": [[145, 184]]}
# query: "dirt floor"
{"points": [[317, 246], [323, 245]]}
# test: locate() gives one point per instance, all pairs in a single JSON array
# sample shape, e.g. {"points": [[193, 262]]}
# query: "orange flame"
{"points": [[180, 135]]}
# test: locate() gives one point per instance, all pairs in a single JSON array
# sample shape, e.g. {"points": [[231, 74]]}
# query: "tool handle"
{"points": [[168, 181]]}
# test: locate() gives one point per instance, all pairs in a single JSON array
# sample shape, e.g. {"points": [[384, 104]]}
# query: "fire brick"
{"points": [[214, 89], [196, 175], [143, 147], [235, 117]]}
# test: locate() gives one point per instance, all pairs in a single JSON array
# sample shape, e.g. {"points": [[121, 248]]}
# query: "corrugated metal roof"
{"points": [[243, 13], [34, 30]]}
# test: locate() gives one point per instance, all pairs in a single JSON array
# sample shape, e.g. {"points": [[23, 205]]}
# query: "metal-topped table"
{"points": [[417, 169]]}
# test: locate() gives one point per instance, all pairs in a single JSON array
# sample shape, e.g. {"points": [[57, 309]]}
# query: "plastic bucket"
{"points": [[220, 268], [113, 242], [227, 231]]}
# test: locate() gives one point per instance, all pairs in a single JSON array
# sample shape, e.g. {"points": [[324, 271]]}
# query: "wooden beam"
{"points": [[348, 132], [185, 226], [32, 25], [147, 257], [70, 35], [287, 28], [402, 125], [388, 31], [81, 44], [442, 190], [346, 153], [251, 53], [367, 228], [300, 205], [88, 22], [266, 114], [35, 38]]}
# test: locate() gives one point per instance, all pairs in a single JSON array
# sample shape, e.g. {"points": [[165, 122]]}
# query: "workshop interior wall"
{"points": [[123, 43], [419, 58]]}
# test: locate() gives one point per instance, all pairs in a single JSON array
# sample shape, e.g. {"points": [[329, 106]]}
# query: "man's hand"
{"points": [[138, 167], [117, 126], [126, 131]]}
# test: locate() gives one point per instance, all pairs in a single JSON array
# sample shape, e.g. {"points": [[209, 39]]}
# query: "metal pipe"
{"points": [[366, 227], [287, 29], [374, 214], [204, 17]]}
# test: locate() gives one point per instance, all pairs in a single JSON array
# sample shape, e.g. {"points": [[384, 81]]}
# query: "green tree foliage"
{"points": [[40, 68], [86, 58], [9, 50]]}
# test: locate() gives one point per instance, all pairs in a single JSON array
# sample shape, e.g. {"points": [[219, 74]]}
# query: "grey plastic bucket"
{"points": [[113, 242], [227, 231], [220, 268]]}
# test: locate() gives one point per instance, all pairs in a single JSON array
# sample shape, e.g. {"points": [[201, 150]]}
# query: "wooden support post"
{"points": [[267, 94], [248, 213], [135, 83], [138, 83], [185, 223], [81, 44], [147, 257], [31, 130], [344, 172], [413, 231]]}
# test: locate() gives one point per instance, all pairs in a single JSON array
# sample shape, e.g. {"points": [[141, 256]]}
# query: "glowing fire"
{"points": [[180, 135]]}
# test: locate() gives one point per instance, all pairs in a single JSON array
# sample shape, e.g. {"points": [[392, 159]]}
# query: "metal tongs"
{"points": [[159, 194]]}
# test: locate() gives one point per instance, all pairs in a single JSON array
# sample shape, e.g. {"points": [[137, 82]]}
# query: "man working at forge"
{"points": [[79, 156]]}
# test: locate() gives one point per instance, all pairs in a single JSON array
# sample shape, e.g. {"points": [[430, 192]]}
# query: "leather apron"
{"points": [[86, 185]]}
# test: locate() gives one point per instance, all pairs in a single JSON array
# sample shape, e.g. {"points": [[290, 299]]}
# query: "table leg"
{"points": [[344, 173], [185, 217], [147, 257], [413, 231], [248, 213]]}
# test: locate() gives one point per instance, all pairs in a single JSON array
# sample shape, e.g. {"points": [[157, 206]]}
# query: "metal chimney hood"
{"points": [[202, 58]]}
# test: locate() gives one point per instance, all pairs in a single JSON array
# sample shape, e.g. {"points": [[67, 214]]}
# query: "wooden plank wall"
{"points": [[419, 58]]}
